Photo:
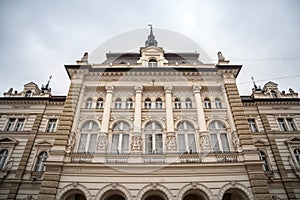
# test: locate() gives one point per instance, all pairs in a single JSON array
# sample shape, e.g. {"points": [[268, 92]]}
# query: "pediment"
{"points": [[293, 140], [7, 140], [44, 143], [260, 141], [152, 49]]}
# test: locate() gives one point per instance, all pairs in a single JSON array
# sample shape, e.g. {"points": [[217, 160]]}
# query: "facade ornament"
{"points": [[168, 88], [102, 141], [9, 165], [136, 143], [220, 56], [85, 57], [109, 88], [197, 88], [236, 140], [171, 142], [205, 142], [138, 89], [71, 141]]}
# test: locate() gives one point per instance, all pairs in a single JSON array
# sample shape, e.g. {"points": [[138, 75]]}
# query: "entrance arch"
{"points": [[113, 195], [74, 195], [154, 195], [194, 195]]}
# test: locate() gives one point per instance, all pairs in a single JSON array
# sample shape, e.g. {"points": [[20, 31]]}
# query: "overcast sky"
{"points": [[38, 37]]}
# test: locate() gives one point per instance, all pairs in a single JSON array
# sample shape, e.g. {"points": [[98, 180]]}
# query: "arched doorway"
{"points": [[113, 195], [154, 195], [234, 194], [194, 195], [74, 195]]}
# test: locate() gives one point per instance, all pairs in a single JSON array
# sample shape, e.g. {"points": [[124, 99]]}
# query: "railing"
{"points": [[117, 158], [190, 158], [36, 176], [81, 157], [226, 157], [153, 158]]}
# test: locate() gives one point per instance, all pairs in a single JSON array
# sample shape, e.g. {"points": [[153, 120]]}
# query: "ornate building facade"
{"points": [[152, 125]]}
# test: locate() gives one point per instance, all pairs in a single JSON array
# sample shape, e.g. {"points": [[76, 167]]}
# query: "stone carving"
{"points": [[136, 143], [71, 141], [204, 142], [138, 89], [235, 139], [9, 164], [171, 142], [196, 88], [168, 88], [85, 57], [220, 56], [102, 142]]}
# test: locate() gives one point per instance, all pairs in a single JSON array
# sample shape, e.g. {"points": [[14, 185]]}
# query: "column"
{"points": [[204, 134], [136, 139], [106, 110], [170, 139]]}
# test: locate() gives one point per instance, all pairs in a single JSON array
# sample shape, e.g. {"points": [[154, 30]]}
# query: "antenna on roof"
{"points": [[254, 84]]}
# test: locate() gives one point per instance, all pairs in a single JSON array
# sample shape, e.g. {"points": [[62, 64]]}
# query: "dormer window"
{"points": [[28, 93], [152, 63], [273, 94]]}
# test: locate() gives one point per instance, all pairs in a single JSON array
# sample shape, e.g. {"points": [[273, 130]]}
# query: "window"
{"points": [[3, 157], [207, 103], [118, 103], [99, 104], [153, 138], [88, 137], [39, 165], [15, 124], [218, 136], [177, 103], [282, 124], [20, 124], [88, 103], [297, 155], [186, 137], [158, 103], [252, 125], [218, 103], [28, 93], [129, 103], [51, 125], [120, 138], [147, 103], [188, 103], [291, 124], [273, 94], [152, 63], [10, 124], [262, 156]]}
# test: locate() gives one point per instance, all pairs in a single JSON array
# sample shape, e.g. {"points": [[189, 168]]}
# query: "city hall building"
{"points": [[150, 125]]}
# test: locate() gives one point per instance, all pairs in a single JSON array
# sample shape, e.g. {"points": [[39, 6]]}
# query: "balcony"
{"points": [[81, 157]]}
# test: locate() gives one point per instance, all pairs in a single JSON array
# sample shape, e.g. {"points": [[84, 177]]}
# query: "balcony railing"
{"points": [[81, 157], [191, 158], [227, 157]]}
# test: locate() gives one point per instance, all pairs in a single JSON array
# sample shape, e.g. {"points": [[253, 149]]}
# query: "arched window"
{"points": [[297, 155], [3, 157], [118, 103], [158, 103], [152, 63], [39, 165], [28, 93], [188, 103], [262, 156], [153, 138], [218, 136], [88, 103], [207, 103], [88, 137], [147, 103], [100, 103], [273, 94], [129, 103], [177, 103], [218, 103], [186, 137], [120, 138]]}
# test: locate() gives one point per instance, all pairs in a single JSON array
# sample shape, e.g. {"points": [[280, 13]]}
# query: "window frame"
{"points": [[188, 103], [51, 126], [147, 103], [177, 103], [152, 63], [158, 103], [186, 131], [154, 131], [282, 124], [129, 103], [118, 103], [215, 130], [207, 103], [291, 124], [252, 125], [263, 156], [89, 132], [218, 103], [39, 165], [3, 157], [89, 103], [100, 103]]}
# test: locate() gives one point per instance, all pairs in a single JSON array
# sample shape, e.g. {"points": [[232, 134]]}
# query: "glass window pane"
{"points": [[3, 156], [148, 143], [20, 124], [115, 143], [181, 143], [158, 143], [93, 141], [82, 143], [214, 142], [191, 143], [125, 143], [224, 142]]}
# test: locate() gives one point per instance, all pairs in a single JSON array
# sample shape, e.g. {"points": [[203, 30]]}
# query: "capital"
{"points": [[168, 88], [138, 89], [109, 88], [196, 88]]}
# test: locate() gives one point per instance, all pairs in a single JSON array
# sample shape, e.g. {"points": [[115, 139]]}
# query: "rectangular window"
{"points": [[82, 143], [181, 143], [224, 142], [214, 142], [51, 125], [252, 125], [10, 124], [92, 144], [291, 124], [20, 124], [282, 124], [158, 143], [125, 143], [148, 143], [191, 143], [115, 143]]}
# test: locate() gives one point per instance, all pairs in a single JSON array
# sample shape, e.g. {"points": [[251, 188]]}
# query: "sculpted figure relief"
{"points": [[136, 143], [102, 142], [171, 142]]}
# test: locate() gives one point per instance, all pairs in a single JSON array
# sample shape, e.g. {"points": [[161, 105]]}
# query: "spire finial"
{"points": [[151, 38]]}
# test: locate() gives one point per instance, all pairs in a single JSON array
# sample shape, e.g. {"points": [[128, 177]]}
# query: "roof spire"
{"points": [[151, 38]]}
